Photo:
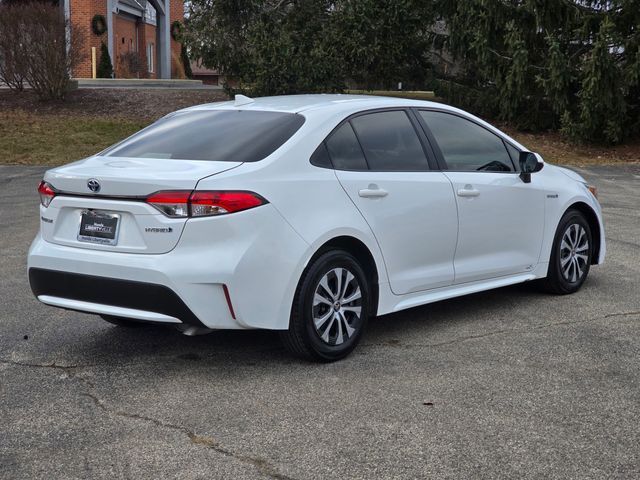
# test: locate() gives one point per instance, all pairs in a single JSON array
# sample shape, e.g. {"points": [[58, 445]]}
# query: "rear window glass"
{"points": [[215, 135]]}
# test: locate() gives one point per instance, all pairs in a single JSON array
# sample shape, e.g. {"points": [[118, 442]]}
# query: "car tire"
{"points": [[330, 309], [571, 255], [122, 322]]}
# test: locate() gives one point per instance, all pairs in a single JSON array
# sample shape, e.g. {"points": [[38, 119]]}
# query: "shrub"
{"points": [[177, 69], [133, 65], [186, 63], [105, 68], [35, 48]]}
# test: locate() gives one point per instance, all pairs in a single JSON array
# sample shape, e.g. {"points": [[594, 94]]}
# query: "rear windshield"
{"points": [[215, 135]]}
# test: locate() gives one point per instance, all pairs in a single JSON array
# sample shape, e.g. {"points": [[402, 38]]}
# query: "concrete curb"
{"points": [[139, 83]]}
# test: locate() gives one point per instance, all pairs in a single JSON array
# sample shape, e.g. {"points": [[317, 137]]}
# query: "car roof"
{"points": [[322, 106], [303, 103]]}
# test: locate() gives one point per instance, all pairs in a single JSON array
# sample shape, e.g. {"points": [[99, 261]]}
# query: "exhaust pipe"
{"points": [[192, 331]]}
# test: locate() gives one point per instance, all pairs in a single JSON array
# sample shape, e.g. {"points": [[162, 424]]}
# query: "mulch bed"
{"points": [[147, 104]]}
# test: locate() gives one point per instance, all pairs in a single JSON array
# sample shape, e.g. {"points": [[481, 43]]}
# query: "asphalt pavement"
{"points": [[511, 383]]}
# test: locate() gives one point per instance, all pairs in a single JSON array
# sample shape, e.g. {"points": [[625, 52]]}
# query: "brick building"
{"points": [[138, 35]]}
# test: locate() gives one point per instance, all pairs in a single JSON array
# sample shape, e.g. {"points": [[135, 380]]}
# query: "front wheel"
{"points": [[330, 308], [571, 255]]}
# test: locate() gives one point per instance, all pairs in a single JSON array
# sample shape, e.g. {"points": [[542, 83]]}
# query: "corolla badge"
{"points": [[93, 185]]}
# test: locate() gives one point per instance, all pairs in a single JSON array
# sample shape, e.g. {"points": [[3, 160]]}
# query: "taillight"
{"points": [[219, 203], [180, 204], [172, 204], [46, 192]]}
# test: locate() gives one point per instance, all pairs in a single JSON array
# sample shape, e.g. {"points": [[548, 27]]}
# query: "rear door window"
{"points": [[344, 149], [390, 142], [214, 135]]}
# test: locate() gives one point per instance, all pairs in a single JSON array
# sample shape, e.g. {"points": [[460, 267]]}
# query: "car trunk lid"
{"points": [[132, 177], [100, 202]]}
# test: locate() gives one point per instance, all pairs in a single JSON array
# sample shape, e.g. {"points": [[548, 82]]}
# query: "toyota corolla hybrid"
{"points": [[308, 215]]}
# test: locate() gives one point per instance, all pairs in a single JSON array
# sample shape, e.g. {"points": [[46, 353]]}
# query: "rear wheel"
{"points": [[571, 254], [122, 322], [330, 309]]}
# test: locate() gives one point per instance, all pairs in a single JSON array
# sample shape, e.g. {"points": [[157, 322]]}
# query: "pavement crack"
{"points": [[433, 345], [44, 365], [11, 178], [262, 465], [623, 314], [497, 332], [624, 242]]}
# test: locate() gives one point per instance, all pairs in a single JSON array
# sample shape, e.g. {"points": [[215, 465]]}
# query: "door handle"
{"points": [[468, 191], [372, 192]]}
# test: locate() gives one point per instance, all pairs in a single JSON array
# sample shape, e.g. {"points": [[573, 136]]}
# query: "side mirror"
{"points": [[529, 163]]}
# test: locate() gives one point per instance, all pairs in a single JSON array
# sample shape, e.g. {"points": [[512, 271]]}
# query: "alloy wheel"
{"points": [[337, 306], [574, 253]]}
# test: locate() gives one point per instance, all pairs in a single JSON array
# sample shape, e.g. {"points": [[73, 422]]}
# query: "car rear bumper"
{"points": [[110, 296], [234, 272]]}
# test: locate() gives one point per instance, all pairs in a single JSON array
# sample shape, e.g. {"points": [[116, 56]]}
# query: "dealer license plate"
{"points": [[99, 227]]}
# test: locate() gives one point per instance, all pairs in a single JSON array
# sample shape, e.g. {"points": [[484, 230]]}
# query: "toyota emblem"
{"points": [[93, 185]]}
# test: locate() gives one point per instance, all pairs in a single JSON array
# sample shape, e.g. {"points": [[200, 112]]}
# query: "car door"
{"points": [[380, 161], [501, 218]]}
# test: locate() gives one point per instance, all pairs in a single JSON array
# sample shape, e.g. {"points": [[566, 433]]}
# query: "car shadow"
{"points": [[157, 345], [455, 309]]}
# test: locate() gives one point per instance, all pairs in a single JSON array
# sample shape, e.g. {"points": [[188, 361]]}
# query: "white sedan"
{"points": [[307, 214]]}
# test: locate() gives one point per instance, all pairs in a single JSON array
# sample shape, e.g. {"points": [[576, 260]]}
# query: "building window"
{"points": [[150, 14], [150, 56]]}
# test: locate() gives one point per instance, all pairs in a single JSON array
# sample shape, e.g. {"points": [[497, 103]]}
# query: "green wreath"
{"points": [[176, 30], [98, 24]]}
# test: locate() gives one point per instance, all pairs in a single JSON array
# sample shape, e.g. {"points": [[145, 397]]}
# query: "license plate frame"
{"points": [[99, 227]]}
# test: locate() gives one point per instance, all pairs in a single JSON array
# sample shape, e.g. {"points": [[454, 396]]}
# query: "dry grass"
{"points": [[556, 149], [32, 132], [54, 133], [31, 139]]}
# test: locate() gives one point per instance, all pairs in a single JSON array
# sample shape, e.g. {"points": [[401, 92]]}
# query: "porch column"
{"points": [[163, 36], [110, 30], [64, 6]]}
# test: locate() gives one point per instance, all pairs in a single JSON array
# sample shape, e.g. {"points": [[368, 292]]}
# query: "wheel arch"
{"points": [[594, 225], [363, 255]]}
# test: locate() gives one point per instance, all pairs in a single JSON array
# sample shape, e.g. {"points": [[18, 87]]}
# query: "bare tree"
{"points": [[33, 36], [12, 56]]}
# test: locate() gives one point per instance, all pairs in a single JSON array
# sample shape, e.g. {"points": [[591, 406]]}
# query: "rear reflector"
{"points": [[179, 204], [229, 304], [46, 192]]}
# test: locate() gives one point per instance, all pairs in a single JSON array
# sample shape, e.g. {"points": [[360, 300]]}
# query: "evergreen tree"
{"points": [[104, 68], [601, 112], [383, 43], [186, 63], [546, 63], [538, 64], [293, 46], [270, 47]]}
